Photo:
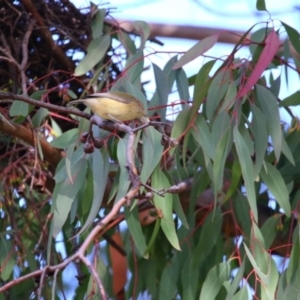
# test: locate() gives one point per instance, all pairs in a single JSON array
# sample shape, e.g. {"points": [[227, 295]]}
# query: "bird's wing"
{"points": [[118, 96]]}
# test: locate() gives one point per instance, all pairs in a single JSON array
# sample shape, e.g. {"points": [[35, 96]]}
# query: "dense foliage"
{"points": [[184, 206]]}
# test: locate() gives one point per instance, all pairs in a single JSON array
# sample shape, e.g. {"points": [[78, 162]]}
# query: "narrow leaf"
{"points": [[165, 207], [100, 168], [275, 183], [293, 36], [272, 44], [214, 281], [216, 91], [95, 52], [152, 151], [269, 107], [247, 169], [197, 50], [258, 128], [134, 226]]}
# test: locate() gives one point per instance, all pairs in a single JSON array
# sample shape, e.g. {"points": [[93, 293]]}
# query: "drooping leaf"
{"points": [[97, 23], [208, 238], [134, 67], [269, 230], [152, 151], [197, 50], [143, 30], [275, 183], [95, 53], [67, 138], [66, 195], [247, 169], [216, 91], [203, 136], [269, 107], [221, 153], [214, 280], [272, 44], [123, 177], [236, 281], [165, 207], [168, 283], [134, 226], [39, 116], [258, 128], [100, 168], [182, 85], [161, 95], [293, 35], [7, 260]]}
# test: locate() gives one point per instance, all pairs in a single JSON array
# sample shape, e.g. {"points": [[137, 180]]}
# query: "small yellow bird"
{"points": [[115, 106]]}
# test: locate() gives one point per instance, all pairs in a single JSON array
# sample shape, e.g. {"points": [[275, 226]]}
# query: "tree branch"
{"points": [[43, 28]]}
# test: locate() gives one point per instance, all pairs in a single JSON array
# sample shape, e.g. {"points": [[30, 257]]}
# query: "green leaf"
{"points": [[134, 226], [100, 168], [7, 260], [269, 230], [203, 136], [242, 294], [180, 125], [230, 97], [144, 31], [289, 289], [292, 100], [95, 53], [63, 141], [182, 85], [39, 116], [168, 283], [161, 95], [293, 35], [152, 151], [287, 151], [216, 91], [275, 183], [201, 78], [258, 128], [220, 126], [169, 72], [268, 291], [261, 5], [269, 107], [123, 177], [294, 260], [236, 281], [134, 67], [127, 42], [221, 153], [247, 169], [61, 172], [210, 231], [66, 194], [97, 23], [214, 281], [197, 50], [19, 108], [165, 205], [242, 211]]}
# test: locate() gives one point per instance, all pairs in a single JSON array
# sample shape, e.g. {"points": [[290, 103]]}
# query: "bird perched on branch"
{"points": [[115, 106]]}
